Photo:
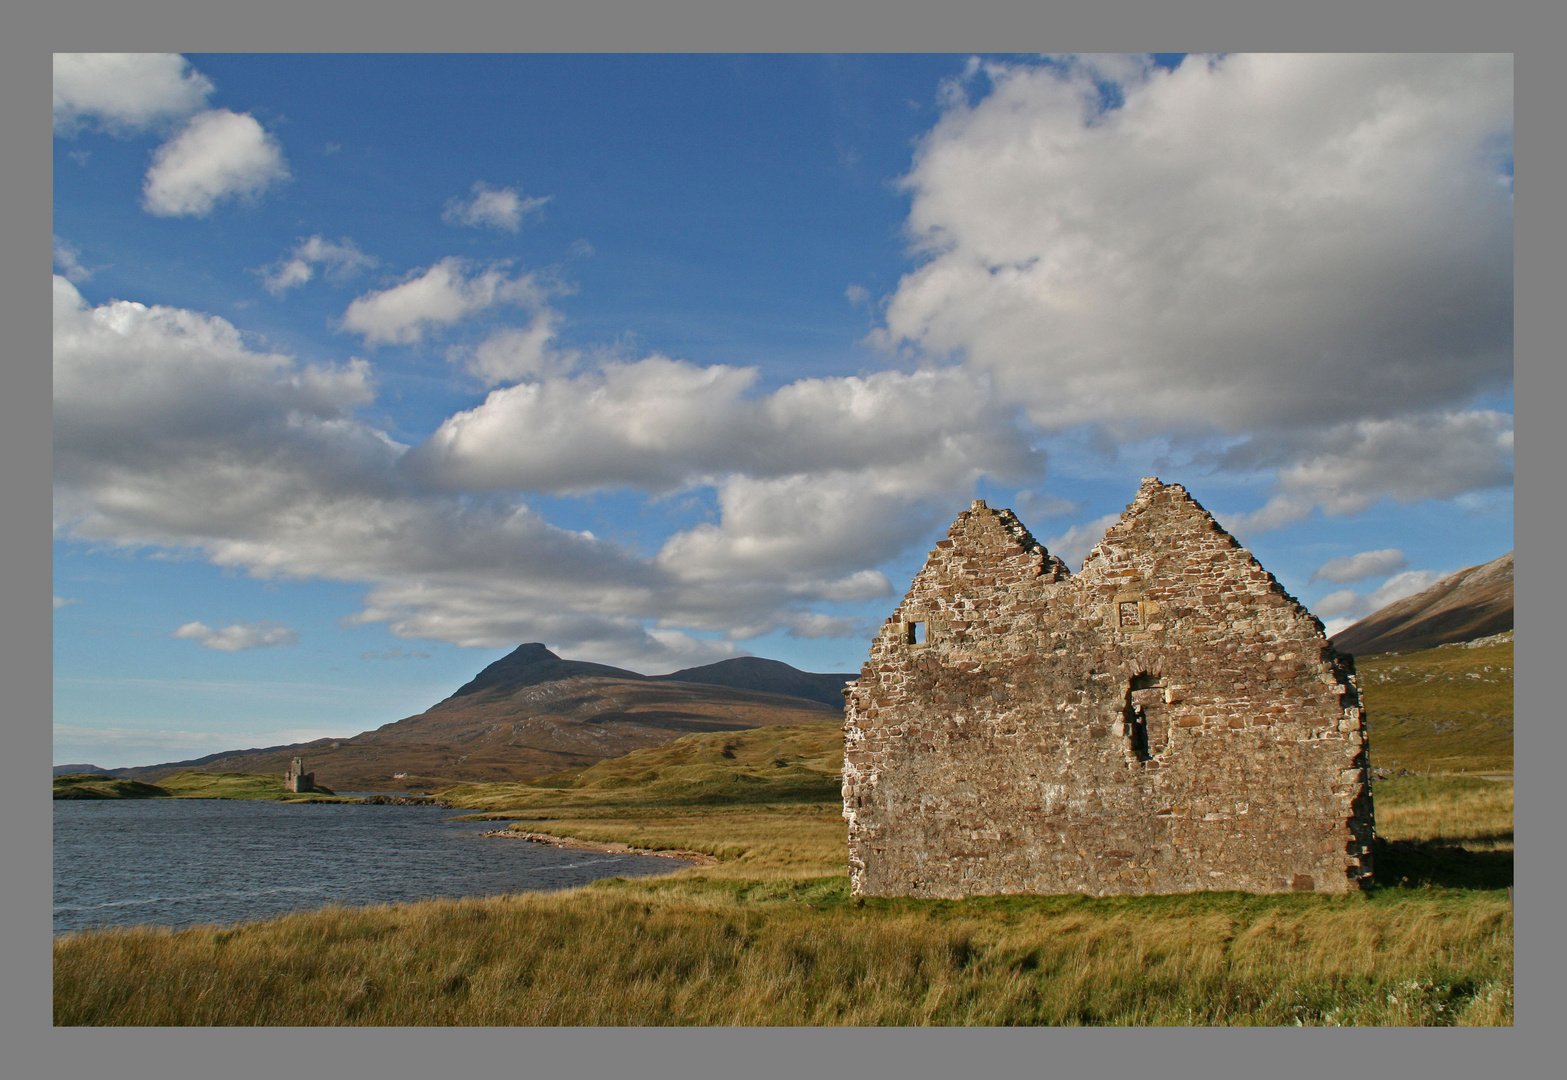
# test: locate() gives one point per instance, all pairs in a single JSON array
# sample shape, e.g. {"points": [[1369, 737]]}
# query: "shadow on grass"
{"points": [[1402, 863], [1469, 871]]}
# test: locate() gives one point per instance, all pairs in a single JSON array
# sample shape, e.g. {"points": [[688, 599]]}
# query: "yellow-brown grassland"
{"points": [[770, 935]]}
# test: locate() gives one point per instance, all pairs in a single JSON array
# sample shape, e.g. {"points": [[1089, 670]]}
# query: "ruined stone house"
{"points": [[297, 779], [1168, 719]]}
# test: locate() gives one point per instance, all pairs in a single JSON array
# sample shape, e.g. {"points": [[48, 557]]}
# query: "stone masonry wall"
{"points": [[1168, 719]]}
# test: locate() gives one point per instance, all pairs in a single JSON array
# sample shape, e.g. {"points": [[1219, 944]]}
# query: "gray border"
{"points": [[1540, 386], [716, 25]]}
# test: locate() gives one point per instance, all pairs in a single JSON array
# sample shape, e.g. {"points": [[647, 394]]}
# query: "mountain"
{"points": [[1473, 603], [531, 714], [770, 676], [533, 664], [67, 770]]}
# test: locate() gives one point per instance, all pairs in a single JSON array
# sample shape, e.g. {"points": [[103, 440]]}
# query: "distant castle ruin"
{"points": [[297, 779], [1166, 720]]}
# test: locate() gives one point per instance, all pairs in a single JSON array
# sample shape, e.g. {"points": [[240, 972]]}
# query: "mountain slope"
{"points": [[528, 714], [771, 676], [532, 664], [1475, 602]]}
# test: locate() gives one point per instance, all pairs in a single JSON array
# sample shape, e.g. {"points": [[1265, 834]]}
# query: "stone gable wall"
{"points": [[1169, 719]]}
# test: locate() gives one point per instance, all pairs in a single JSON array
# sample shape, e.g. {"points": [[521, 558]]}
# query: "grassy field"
{"points": [[694, 950], [1450, 811], [771, 935], [1445, 710], [185, 785], [766, 803]]}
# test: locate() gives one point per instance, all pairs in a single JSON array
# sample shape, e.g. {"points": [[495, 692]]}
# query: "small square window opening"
{"points": [[916, 633]]}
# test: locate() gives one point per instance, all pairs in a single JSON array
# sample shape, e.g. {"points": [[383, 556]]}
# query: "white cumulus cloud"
{"points": [[1399, 586], [513, 353], [497, 208], [817, 481], [660, 424], [1346, 468], [219, 155], [342, 259], [124, 92], [1033, 506], [1073, 546], [443, 294], [1355, 567], [158, 380], [1346, 606], [68, 261], [1340, 603], [239, 636], [1305, 246], [171, 429]]}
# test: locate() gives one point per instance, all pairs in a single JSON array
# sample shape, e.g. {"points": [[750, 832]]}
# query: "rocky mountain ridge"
{"points": [[1474, 602]]}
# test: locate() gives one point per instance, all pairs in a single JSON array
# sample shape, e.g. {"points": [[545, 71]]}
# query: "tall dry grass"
{"points": [[771, 936], [1462, 811], [704, 952]]}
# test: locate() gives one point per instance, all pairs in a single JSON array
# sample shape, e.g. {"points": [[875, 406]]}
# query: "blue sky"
{"points": [[369, 368]]}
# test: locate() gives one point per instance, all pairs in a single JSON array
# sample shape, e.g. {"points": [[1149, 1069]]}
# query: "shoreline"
{"points": [[696, 858]]}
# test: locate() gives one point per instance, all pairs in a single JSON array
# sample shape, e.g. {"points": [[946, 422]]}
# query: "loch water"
{"points": [[183, 862]]}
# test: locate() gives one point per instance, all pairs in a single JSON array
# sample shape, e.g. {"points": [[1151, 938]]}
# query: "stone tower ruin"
{"points": [[1166, 720], [297, 779]]}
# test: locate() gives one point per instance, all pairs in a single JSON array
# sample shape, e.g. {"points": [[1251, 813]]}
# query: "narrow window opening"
{"points": [[1135, 716], [916, 633], [1137, 732]]}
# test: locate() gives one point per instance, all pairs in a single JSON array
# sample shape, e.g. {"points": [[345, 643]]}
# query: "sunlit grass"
{"points": [[1445, 710], [1448, 810], [698, 951], [771, 935], [797, 763]]}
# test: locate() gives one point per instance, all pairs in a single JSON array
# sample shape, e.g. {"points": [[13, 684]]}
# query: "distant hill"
{"points": [[532, 714], [68, 770], [770, 676], [785, 763], [1473, 603]]}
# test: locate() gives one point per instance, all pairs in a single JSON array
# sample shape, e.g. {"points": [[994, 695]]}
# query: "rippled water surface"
{"points": [[179, 862]]}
